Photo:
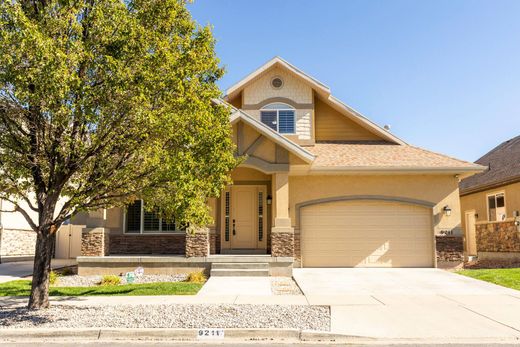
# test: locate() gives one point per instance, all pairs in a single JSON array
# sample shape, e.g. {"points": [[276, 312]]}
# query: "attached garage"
{"points": [[366, 233]]}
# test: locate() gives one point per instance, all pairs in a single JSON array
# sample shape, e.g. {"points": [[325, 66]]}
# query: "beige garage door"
{"points": [[366, 233]]}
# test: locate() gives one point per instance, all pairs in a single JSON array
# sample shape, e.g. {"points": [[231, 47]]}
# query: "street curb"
{"points": [[171, 334], [231, 335]]}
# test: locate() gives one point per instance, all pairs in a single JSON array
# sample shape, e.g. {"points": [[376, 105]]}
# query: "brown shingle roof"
{"points": [[504, 166], [382, 155]]}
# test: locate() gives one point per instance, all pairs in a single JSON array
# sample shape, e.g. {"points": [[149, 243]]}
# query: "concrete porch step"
{"points": [[239, 266], [240, 272]]}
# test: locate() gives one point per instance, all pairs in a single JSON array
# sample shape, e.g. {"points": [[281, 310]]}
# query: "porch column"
{"points": [[282, 234], [197, 242]]}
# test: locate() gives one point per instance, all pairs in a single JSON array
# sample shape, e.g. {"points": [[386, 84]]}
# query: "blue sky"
{"points": [[445, 74]]}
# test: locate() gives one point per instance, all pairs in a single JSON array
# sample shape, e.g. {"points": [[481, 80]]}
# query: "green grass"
{"points": [[504, 277], [23, 288]]}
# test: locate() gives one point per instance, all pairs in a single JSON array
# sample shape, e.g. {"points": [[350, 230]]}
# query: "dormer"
{"points": [[299, 107]]}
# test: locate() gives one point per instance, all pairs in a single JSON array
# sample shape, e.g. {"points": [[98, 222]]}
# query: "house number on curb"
{"points": [[210, 334]]}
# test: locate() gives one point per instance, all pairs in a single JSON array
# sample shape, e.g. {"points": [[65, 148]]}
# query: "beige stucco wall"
{"points": [[440, 190]]}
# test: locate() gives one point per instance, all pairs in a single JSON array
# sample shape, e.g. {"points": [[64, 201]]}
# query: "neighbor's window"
{"points": [[496, 207], [140, 221], [279, 117]]}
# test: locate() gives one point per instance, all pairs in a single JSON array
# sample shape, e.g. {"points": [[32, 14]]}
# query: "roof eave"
{"points": [[367, 122], [486, 186], [398, 169]]}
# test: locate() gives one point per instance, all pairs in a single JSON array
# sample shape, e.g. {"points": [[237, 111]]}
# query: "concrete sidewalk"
{"points": [[17, 270]]}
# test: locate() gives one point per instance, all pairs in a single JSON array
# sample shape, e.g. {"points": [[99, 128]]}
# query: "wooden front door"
{"points": [[244, 220], [244, 215]]}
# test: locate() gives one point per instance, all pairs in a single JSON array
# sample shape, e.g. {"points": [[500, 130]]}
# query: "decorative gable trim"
{"points": [[314, 83]]}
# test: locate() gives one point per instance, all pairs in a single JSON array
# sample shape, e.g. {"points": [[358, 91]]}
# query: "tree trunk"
{"points": [[42, 267]]}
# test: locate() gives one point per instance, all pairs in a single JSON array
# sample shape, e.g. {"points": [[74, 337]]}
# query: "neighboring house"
{"points": [[17, 239], [490, 204], [321, 186]]}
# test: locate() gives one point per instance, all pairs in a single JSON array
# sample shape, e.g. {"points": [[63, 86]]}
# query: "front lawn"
{"points": [[23, 288], [504, 277]]}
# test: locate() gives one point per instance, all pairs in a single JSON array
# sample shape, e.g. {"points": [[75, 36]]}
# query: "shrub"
{"points": [[53, 277], [110, 280], [196, 277]]}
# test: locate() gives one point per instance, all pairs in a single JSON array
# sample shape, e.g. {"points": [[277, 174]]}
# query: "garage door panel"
{"points": [[366, 234]]}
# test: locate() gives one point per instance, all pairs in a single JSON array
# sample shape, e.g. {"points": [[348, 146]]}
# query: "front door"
{"points": [[243, 216], [243, 203]]}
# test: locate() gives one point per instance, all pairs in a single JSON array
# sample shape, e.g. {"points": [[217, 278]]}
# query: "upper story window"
{"points": [[496, 207], [279, 117]]}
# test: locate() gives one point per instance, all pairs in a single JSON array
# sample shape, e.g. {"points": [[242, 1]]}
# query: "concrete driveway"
{"points": [[413, 304]]}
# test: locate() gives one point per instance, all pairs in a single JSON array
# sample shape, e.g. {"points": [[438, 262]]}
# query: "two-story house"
{"points": [[321, 186]]}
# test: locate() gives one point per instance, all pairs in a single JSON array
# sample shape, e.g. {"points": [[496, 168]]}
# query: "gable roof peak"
{"points": [[277, 60]]}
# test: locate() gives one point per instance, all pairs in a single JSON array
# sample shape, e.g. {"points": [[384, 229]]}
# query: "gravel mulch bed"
{"points": [[284, 286], [91, 281], [169, 316]]}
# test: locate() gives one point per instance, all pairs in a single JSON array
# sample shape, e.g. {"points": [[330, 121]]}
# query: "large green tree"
{"points": [[104, 101]]}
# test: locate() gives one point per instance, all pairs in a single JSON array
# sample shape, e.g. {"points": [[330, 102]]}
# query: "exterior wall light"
{"points": [[269, 200], [447, 210]]}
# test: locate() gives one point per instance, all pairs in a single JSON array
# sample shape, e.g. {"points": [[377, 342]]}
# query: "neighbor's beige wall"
{"points": [[478, 202], [440, 190]]}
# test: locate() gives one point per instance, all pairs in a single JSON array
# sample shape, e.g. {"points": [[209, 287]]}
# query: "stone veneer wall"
{"points": [[147, 244], [282, 244], [197, 244], [498, 237], [449, 248], [17, 242], [95, 242]]}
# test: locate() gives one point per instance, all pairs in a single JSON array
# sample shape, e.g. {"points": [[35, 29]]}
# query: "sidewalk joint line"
{"points": [[491, 319], [376, 299]]}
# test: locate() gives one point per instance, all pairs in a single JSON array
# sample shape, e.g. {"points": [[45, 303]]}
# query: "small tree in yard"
{"points": [[104, 101]]}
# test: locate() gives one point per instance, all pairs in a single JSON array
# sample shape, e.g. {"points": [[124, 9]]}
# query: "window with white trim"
{"points": [[279, 117], [496, 207], [140, 221]]}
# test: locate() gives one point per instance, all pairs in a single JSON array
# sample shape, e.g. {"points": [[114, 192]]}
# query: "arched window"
{"points": [[279, 117]]}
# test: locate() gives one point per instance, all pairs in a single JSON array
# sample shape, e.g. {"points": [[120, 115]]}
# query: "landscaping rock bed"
{"points": [[169, 316], [91, 281]]}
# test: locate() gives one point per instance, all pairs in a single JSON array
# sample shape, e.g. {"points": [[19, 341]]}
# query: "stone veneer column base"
{"points": [[95, 242], [197, 243], [282, 243]]}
